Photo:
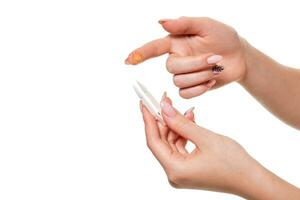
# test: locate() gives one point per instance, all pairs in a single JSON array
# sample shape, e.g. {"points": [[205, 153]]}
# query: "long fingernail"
{"points": [[217, 69], [189, 110], [214, 59], [127, 61], [163, 96], [162, 21], [211, 83], [168, 109]]}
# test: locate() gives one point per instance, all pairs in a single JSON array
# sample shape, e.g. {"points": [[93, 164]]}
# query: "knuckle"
{"points": [[177, 177], [174, 184], [207, 18], [155, 50], [149, 143], [183, 123]]}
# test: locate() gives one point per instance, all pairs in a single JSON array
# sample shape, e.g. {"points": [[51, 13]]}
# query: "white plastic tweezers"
{"points": [[148, 100]]}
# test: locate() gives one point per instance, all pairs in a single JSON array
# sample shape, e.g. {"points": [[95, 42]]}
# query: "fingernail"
{"points": [[217, 69], [163, 96], [167, 109], [211, 83], [136, 58], [189, 110], [161, 21], [214, 59], [127, 61]]}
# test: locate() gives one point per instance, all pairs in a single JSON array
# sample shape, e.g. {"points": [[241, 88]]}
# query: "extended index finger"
{"points": [[150, 50]]}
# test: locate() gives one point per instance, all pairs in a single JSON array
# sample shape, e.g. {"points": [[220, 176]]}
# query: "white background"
{"points": [[70, 126]]}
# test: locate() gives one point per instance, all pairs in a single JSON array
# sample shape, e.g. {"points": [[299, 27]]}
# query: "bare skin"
{"points": [[218, 163], [274, 85], [193, 40]]}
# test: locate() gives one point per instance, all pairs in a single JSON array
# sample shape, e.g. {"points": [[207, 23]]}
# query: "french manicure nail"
{"points": [[189, 110], [163, 96], [167, 109], [214, 59]]}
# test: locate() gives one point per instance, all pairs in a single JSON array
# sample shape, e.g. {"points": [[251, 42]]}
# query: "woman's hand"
{"points": [[217, 163], [194, 46]]}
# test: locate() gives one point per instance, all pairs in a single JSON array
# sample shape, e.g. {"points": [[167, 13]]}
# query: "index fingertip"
{"points": [[134, 58]]}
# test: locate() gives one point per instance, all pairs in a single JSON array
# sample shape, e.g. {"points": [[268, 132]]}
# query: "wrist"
{"points": [[250, 54], [256, 63], [250, 181], [261, 184], [256, 180]]}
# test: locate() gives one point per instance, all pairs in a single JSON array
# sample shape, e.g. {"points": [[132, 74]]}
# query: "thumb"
{"points": [[186, 25], [181, 125]]}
